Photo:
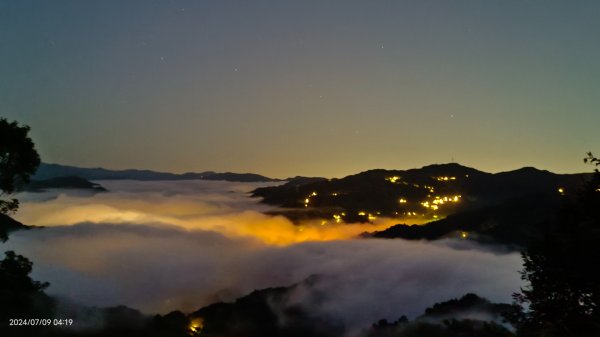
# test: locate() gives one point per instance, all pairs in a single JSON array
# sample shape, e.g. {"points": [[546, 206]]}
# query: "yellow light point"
{"points": [[372, 217], [362, 213], [561, 190], [425, 204], [323, 223], [343, 214], [393, 179], [435, 216], [434, 207], [334, 194], [313, 194], [464, 235], [402, 201], [456, 198], [306, 201], [196, 326]]}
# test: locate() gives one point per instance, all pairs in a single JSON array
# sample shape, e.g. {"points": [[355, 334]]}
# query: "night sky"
{"points": [[324, 88]]}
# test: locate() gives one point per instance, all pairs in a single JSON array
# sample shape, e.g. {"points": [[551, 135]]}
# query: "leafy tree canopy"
{"points": [[18, 160], [563, 292]]}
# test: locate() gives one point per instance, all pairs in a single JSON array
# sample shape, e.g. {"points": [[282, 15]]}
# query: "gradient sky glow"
{"points": [[284, 88]]}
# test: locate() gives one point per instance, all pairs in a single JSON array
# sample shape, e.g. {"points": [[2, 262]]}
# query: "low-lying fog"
{"points": [[160, 246]]}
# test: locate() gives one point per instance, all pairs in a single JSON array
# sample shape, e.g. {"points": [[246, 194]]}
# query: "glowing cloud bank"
{"points": [[160, 246]]}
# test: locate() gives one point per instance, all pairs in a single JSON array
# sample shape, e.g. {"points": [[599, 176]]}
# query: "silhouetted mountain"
{"points": [[70, 182], [48, 171], [299, 180], [469, 316], [512, 222], [266, 312], [501, 207], [7, 225], [395, 193], [468, 306]]}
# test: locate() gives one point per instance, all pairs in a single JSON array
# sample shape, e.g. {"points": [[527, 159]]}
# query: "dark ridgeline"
{"points": [[49, 171], [68, 182], [268, 312], [467, 316], [501, 207]]}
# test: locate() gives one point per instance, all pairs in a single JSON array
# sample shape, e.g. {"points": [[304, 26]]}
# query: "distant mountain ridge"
{"points": [[67, 182], [435, 189], [455, 200], [50, 171]]}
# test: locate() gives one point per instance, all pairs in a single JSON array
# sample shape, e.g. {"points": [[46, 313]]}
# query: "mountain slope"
{"points": [[430, 192], [7, 225]]}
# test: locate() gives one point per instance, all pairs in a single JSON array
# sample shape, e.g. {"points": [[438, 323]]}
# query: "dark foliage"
{"points": [[18, 157], [265, 313], [449, 319], [563, 294], [448, 328], [19, 294], [468, 304], [18, 160], [7, 225]]}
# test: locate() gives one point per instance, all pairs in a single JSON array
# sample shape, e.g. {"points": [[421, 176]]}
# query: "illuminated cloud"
{"points": [[183, 245], [193, 205]]}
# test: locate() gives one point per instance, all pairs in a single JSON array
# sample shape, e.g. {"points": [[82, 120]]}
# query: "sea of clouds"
{"points": [[160, 246]]}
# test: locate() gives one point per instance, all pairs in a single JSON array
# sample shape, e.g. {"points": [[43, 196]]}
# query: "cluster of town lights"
{"points": [[438, 201], [429, 204], [307, 200]]}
